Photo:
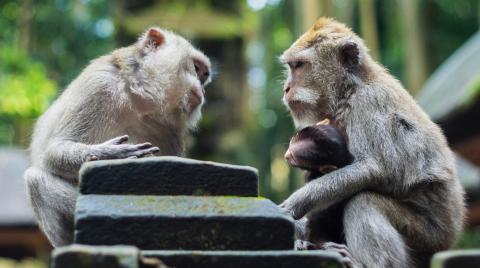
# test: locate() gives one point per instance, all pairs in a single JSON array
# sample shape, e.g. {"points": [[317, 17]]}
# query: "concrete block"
{"points": [[183, 222], [250, 259], [469, 258], [167, 175]]}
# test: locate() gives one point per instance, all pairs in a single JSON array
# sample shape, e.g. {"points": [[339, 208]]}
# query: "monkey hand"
{"points": [[117, 148], [296, 205]]}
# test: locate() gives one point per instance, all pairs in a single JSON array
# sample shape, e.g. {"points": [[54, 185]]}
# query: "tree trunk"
{"points": [[415, 65], [23, 25], [368, 26]]}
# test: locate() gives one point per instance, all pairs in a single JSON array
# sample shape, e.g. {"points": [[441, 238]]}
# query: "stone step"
{"points": [[80, 256], [250, 259], [167, 175], [466, 258], [182, 222]]}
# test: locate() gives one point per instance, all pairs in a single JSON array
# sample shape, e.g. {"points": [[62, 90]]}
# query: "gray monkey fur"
{"points": [[405, 200], [148, 94]]}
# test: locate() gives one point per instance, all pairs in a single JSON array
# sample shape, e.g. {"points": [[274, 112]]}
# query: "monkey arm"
{"points": [[64, 158], [332, 188], [301, 228]]}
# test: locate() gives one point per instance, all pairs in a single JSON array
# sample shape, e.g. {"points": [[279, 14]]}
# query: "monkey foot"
{"points": [[342, 249], [305, 245]]}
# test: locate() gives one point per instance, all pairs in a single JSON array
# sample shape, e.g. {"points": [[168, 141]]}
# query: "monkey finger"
{"points": [[148, 151], [145, 145], [92, 158], [118, 140], [340, 249], [343, 252], [325, 121], [334, 245]]}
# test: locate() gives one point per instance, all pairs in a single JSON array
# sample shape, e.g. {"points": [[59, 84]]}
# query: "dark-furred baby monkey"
{"points": [[318, 150]]}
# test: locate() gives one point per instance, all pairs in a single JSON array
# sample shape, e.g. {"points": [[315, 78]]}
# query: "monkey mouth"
{"points": [[299, 108], [196, 97], [291, 160], [295, 105]]}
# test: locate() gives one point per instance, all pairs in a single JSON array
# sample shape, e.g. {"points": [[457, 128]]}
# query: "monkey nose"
{"points": [[286, 89], [202, 70], [288, 156]]}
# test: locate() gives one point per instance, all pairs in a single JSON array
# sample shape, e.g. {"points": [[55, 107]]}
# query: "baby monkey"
{"points": [[319, 149]]}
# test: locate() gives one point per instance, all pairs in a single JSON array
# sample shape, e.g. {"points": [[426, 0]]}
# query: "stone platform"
{"points": [[182, 222], [80, 256], [183, 212], [167, 175]]}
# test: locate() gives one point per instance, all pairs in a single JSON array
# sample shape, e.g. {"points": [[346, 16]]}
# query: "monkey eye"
{"points": [[296, 64]]}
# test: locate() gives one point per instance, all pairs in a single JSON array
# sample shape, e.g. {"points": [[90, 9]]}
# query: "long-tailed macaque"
{"points": [[136, 101], [405, 201]]}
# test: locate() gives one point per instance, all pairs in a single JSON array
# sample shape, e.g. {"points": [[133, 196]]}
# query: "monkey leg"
{"points": [[326, 225], [370, 235], [53, 201]]}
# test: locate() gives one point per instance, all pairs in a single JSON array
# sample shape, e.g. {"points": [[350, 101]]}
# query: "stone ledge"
{"points": [[80, 256], [457, 258], [182, 222], [167, 175], [250, 259]]}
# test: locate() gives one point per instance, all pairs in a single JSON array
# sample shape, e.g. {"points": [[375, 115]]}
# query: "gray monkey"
{"points": [[405, 201], [136, 101]]}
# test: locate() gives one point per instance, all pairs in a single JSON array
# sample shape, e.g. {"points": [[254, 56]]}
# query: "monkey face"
{"points": [[303, 153], [314, 147], [318, 64], [179, 73], [298, 94], [198, 74]]}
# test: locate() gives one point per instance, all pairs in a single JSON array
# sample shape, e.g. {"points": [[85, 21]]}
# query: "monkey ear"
{"points": [[349, 55], [153, 38]]}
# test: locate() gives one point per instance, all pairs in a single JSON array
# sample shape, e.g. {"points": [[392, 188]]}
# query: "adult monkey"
{"points": [[148, 94], [406, 202]]}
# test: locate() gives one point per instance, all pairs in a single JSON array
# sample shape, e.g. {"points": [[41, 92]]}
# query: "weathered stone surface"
{"points": [[80, 256], [167, 175], [250, 259], [182, 222], [457, 258]]}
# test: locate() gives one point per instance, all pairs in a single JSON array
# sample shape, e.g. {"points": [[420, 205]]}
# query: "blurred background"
{"points": [[432, 46]]}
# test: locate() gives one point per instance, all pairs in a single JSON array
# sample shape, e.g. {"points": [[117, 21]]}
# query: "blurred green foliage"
{"points": [[43, 46], [469, 239], [26, 263], [25, 89], [473, 91]]}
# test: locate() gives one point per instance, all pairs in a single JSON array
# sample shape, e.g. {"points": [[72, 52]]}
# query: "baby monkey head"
{"points": [[319, 148]]}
